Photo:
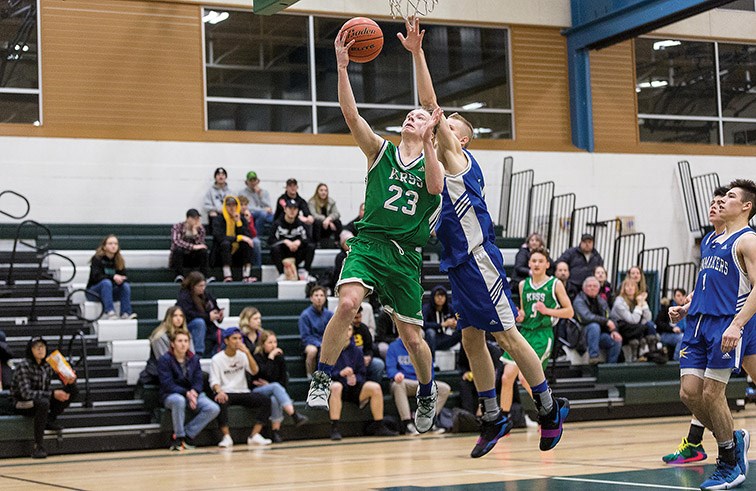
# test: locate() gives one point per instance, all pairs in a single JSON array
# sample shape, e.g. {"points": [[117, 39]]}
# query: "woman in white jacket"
{"points": [[633, 318]]}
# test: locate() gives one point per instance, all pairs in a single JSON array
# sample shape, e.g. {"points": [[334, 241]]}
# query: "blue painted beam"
{"points": [[581, 105]]}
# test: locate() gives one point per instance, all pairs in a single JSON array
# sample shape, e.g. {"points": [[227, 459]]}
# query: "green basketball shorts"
{"points": [[542, 341]]}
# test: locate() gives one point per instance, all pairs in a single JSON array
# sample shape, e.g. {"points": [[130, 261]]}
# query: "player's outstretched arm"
{"points": [[413, 42], [434, 174], [366, 139], [746, 253]]}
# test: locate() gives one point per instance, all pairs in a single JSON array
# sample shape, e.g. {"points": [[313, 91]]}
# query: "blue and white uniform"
{"points": [[481, 295], [721, 290]]}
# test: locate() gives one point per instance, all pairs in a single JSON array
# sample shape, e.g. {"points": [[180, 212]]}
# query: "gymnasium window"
{"points": [[19, 67], [279, 74], [696, 91]]}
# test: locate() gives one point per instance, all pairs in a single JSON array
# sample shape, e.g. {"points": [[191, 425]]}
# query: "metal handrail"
{"points": [[9, 281], [80, 335], [28, 206], [32, 313]]}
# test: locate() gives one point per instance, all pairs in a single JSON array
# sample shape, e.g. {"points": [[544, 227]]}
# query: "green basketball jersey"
{"points": [[545, 293], [398, 205]]}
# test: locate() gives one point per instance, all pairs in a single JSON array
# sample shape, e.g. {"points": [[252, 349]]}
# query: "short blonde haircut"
{"points": [[470, 129]]}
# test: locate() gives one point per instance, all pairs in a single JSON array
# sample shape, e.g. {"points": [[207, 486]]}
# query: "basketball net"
{"points": [[411, 8]]}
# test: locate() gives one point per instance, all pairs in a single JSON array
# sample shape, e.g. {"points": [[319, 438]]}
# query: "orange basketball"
{"points": [[368, 39]]}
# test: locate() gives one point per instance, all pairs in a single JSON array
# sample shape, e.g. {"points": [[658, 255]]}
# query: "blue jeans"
{"points": [[198, 330], [672, 340], [278, 399], [256, 252], [601, 340], [261, 217], [375, 369], [206, 411], [109, 292]]}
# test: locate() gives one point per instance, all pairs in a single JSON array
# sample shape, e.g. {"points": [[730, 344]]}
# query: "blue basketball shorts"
{"points": [[701, 346], [480, 291]]}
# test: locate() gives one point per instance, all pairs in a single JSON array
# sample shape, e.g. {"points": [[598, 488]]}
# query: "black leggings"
{"points": [[47, 410], [251, 400]]}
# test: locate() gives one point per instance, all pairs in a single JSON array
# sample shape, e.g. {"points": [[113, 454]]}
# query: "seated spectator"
{"points": [[250, 323], [592, 312], [160, 339], [180, 377], [404, 382], [582, 261], [256, 247], [259, 201], [440, 322], [606, 290], [32, 396], [292, 193], [188, 248], [364, 340], [632, 316], [326, 214], [468, 393], [349, 385], [671, 334], [271, 381], [229, 383], [312, 324], [202, 313], [636, 274], [562, 273], [108, 281], [385, 332], [232, 240], [289, 238], [521, 269], [213, 201], [6, 372]]}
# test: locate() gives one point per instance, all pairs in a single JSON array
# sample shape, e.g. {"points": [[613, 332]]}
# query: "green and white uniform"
{"points": [[400, 213], [537, 329]]}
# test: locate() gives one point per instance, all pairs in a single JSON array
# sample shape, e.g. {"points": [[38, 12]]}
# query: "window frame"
{"points": [[313, 103], [38, 90]]}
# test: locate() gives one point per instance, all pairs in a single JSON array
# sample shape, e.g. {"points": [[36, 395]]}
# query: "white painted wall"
{"points": [[113, 181]]}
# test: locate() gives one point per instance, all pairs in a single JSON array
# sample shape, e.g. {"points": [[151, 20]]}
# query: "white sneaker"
{"points": [[111, 315], [129, 316], [226, 442], [258, 439], [425, 416]]}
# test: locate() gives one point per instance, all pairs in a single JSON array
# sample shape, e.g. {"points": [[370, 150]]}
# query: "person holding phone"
{"points": [[202, 314]]}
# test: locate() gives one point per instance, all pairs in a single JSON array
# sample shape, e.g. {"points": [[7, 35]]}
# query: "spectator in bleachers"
{"points": [[202, 312], [188, 248], [259, 201], [592, 312], [636, 274], [671, 334], [32, 396], [250, 323], [108, 280], [364, 340], [312, 324], [213, 202], [180, 377], [229, 383], [582, 261], [173, 322], [292, 193], [440, 321], [326, 214], [289, 238], [232, 239], [521, 269], [349, 384], [6, 372], [404, 383], [271, 381], [606, 290], [256, 245], [632, 316], [385, 332], [562, 273]]}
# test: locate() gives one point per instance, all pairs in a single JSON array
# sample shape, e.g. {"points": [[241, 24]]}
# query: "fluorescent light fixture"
{"points": [[483, 131], [394, 129], [654, 84], [36, 123], [214, 17], [667, 43], [473, 106]]}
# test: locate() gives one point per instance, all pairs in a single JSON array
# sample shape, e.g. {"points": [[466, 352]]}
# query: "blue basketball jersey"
{"points": [[464, 223], [722, 285]]}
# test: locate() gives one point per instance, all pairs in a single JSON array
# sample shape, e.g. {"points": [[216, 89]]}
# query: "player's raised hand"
{"points": [[413, 42], [426, 130], [342, 49]]}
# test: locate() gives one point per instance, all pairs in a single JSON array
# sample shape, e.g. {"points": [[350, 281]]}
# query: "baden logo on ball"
{"points": [[368, 39]]}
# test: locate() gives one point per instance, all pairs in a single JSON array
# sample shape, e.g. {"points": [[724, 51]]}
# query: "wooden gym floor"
{"points": [[602, 455]]}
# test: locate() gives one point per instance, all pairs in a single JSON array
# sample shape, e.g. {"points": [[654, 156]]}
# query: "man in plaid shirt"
{"points": [[188, 248], [32, 395]]}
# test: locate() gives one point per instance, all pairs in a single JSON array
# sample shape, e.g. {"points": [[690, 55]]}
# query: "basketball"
{"points": [[368, 39]]}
